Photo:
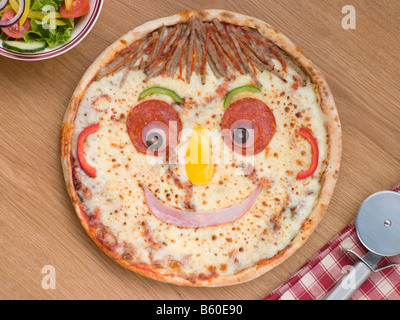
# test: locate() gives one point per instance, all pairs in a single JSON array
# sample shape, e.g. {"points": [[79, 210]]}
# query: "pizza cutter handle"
{"points": [[350, 282]]}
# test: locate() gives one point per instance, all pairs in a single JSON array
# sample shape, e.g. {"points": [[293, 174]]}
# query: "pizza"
{"points": [[201, 149]]}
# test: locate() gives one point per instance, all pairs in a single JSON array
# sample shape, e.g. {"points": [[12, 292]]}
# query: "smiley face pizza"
{"points": [[201, 149]]}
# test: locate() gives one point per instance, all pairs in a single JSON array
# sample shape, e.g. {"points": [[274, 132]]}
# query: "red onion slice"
{"points": [[3, 4], [189, 219], [7, 23]]}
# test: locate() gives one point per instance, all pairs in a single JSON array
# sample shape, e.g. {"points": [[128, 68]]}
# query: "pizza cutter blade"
{"points": [[378, 228]]}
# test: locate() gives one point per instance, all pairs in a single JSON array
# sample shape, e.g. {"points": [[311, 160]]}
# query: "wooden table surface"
{"points": [[38, 226]]}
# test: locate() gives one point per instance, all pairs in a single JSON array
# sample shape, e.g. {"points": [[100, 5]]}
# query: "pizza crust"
{"points": [[332, 125]]}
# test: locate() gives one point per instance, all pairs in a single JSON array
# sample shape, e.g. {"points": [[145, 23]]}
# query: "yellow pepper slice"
{"points": [[14, 4], [7, 7], [26, 12], [59, 22], [41, 15], [36, 15], [198, 162], [68, 4]]}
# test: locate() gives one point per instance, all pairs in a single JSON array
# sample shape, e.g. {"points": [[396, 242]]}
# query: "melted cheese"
{"points": [[271, 224]]}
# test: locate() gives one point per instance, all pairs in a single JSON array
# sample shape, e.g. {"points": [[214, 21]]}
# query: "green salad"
{"points": [[32, 25]]}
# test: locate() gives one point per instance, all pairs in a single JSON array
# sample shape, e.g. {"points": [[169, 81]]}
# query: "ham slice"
{"points": [[199, 219]]}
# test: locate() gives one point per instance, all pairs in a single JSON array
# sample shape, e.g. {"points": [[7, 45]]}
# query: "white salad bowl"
{"points": [[82, 28]]}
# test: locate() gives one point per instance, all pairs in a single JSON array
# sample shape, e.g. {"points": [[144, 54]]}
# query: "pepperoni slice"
{"points": [[245, 114], [144, 115]]}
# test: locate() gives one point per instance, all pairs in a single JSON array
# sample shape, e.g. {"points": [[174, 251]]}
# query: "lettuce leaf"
{"points": [[37, 5], [53, 35]]}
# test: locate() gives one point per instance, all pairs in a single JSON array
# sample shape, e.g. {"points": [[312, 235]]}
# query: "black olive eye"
{"points": [[241, 135], [155, 136], [154, 140]]}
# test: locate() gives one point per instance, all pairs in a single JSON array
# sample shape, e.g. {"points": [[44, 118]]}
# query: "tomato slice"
{"points": [[15, 31], [79, 8]]}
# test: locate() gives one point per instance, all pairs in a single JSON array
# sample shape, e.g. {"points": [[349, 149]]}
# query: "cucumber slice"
{"points": [[24, 47]]}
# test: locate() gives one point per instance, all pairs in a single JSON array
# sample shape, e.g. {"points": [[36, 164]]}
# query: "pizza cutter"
{"points": [[378, 228]]}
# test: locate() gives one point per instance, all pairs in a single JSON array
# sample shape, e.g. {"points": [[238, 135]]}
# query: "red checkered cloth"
{"points": [[320, 274]]}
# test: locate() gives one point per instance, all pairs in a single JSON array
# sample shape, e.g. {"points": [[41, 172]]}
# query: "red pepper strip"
{"points": [[315, 153], [90, 171]]}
